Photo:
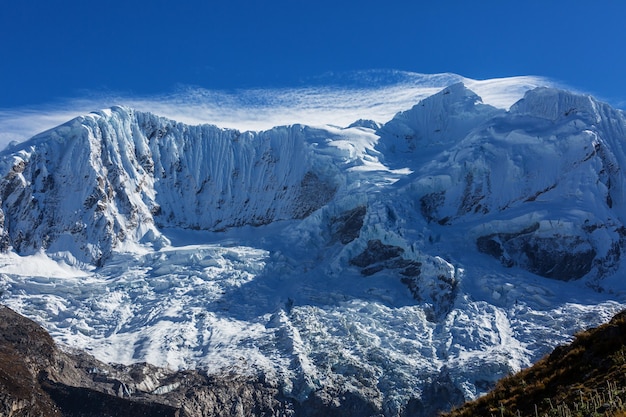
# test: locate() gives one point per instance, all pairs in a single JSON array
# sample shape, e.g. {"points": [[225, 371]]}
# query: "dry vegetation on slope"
{"points": [[585, 378]]}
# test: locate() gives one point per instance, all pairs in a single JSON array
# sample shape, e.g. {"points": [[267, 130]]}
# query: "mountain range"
{"points": [[403, 266]]}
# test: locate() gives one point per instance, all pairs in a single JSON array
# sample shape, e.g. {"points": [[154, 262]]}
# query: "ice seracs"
{"points": [[408, 264]]}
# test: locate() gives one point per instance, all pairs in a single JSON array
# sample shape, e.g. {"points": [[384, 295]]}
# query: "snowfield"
{"points": [[448, 247]]}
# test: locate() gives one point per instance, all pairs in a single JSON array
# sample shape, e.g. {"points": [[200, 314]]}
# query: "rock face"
{"points": [[38, 379], [25, 349], [558, 257]]}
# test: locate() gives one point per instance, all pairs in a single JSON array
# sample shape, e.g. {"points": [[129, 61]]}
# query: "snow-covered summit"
{"points": [[437, 122], [553, 104], [445, 248]]}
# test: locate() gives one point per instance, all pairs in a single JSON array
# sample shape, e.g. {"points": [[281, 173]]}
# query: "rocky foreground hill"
{"points": [[584, 378]]}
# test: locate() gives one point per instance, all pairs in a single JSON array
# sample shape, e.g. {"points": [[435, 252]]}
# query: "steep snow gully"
{"points": [[409, 264]]}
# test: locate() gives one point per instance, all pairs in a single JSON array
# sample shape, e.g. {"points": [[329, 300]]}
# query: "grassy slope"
{"points": [[585, 378]]}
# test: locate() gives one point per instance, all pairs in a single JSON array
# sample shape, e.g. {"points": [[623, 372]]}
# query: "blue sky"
{"points": [[57, 50]]}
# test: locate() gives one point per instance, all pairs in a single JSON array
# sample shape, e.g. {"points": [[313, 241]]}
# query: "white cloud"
{"points": [[372, 95]]}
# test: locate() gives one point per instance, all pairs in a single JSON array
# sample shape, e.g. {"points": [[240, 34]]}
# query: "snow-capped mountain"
{"points": [[408, 264]]}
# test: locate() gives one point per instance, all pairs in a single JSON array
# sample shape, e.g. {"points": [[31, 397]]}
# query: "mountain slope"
{"points": [[412, 263], [581, 378]]}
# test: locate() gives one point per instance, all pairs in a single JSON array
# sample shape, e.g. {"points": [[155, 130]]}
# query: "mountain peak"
{"points": [[131, 171], [436, 122], [555, 104], [457, 90]]}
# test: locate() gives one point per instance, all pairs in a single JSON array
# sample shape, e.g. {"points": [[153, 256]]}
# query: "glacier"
{"points": [[410, 264]]}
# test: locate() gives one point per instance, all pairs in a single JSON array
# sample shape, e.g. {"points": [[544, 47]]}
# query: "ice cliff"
{"points": [[118, 176]]}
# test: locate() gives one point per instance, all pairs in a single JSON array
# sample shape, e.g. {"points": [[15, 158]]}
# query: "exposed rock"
{"points": [[434, 283], [559, 257], [338, 404], [312, 194], [347, 226], [441, 391], [366, 123], [82, 401], [38, 379], [376, 252], [430, 203], [24, 349]]}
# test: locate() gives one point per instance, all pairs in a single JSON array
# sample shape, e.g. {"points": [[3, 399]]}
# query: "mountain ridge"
{"points": [[124, 174]]}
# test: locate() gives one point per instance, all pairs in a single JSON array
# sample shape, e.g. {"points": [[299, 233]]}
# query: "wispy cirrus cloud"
{"points": [[337, 104]]}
